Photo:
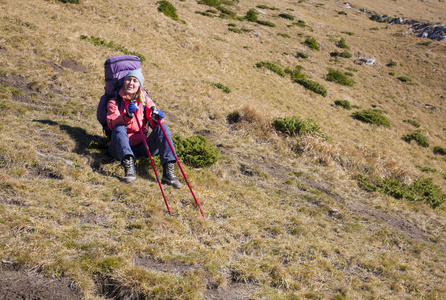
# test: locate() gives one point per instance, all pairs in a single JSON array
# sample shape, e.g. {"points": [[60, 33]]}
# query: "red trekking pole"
{"points": [[179, 165], [153, 165]]}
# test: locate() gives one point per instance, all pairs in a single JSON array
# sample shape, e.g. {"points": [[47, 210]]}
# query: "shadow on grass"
{"points": [[89, 145]]}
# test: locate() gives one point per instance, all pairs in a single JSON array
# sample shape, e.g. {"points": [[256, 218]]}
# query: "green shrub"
{"points": [[344, 54], [338, 77], [418, 137], [195, 151], [439, 150], [413, 123], [236, 30], [251, 15], [212, 3], [100, 42], [348, 32], [311, 42], [266, 23], [234, 117], [273, 67], [342, 13], [392, 63], [300, 23], [167, 8], [226, 13], [283, 35], [392, 73], [311, 85], [371, 116], [342, 44], [404, 79], [301, 55], [421, 190], [287, 16], [343, 103], [71, 1], [207, 14], [221, 87], [295, 126]]}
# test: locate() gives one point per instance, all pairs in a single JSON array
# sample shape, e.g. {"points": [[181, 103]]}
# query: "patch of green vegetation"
{"points": [[338, 77], [439, 150], [300, 23], [283, 35], [221, 87], [423, 190], [404, 79], [342, 44], [207, 14], [100, 42], [418, 137], [212, 3], [301, 55], [71, 1], [236, 30], [311, 42], [266, 23], [311, 85], [271, 66], [196, 151], [413, 123], [267, 7], [348, 32], [167, 9], [427, 43], [392, 63], [226, 13], [251, 15], [344, 54], [371, 116], [234, 117], [287, 16], [295, 126], [392, 73], [352, 69], [342, 13], [427, 169], [343, 103]]}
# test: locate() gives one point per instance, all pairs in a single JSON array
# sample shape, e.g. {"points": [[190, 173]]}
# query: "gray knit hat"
{"points": [[138, 75]]}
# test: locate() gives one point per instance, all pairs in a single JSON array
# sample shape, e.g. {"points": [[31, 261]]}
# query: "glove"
{"points": [[157, 115], [131, 108]]}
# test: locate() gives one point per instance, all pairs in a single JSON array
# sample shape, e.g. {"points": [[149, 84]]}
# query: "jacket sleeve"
{"points": [[114, 116]]}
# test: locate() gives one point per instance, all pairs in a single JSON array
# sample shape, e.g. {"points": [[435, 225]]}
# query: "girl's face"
{"points": [[131, 85]]}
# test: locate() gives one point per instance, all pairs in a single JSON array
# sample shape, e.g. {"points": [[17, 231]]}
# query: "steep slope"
{"points": [[285, 217]]}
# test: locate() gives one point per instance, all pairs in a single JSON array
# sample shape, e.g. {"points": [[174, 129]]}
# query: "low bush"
{"points": [[343, 103], [273, 67], [413, 123], [404, 79], [311, 42], [287, 16], [236, 30], [266, 23], [283, 35], [311, 85], [221, 87], [295, 126], [251, 15], [392, 63], [167, 8], [226, 13], [234, 117], [195, 151], [348, 32], [371, 116], [100, 42], [439, 150], [71, 1], [344, 54], [301, 55], [300, 23], [342, 44], [338, 77], [212, 3], [423, 190], [417, 137]]}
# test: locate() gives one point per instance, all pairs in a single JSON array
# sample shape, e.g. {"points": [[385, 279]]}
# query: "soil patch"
{"points": [[18, 283]]}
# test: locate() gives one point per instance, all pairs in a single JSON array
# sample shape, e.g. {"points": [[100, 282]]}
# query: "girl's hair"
{"points": [[139, 96]]}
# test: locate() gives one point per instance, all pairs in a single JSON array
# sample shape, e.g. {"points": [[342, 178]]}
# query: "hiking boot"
{"points": [[169, 177], [129, 167]]}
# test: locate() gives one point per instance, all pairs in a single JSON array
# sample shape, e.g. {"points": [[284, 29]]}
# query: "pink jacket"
{"points": [[114, 116]]}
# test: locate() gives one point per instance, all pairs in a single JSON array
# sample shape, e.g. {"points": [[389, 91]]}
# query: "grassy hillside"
{"points": [[325, 214]]}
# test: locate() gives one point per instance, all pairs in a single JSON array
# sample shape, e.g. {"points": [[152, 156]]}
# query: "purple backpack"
{"points": [[115, 69]]}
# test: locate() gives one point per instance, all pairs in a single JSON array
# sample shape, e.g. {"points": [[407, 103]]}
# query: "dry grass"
{"points": [[284, 218]]}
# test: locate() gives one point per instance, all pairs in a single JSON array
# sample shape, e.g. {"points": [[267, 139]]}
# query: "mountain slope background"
{"points": [[285, 216]]}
